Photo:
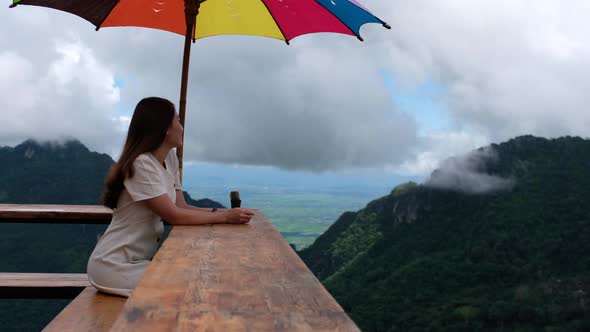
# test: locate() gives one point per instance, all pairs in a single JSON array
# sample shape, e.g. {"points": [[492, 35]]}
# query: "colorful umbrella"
{"points": [[279, 19]]}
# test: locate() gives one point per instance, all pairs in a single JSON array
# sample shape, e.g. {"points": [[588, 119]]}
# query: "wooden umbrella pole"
{"points": [[191, 9]]}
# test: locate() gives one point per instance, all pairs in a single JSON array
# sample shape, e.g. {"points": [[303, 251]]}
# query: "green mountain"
{"points": [[497, 240], [49, 173]]}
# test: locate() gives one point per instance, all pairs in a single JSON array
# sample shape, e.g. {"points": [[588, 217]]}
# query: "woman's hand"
{"points": [[238, 215]]}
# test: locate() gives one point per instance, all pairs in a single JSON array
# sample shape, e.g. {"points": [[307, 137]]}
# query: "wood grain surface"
{"points": [[90, 311], [42, 285], [36, 213], [44, 280], [230, 278]]}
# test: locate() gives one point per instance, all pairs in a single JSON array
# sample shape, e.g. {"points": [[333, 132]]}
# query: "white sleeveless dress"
{"points": [[124, 252]]}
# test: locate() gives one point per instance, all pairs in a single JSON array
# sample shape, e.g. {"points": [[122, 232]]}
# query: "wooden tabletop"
{"points": [[34, 213], [230, 278]]}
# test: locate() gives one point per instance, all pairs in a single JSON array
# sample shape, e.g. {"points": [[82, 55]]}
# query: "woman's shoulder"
{"points": [[172, 156], [145, 159]]}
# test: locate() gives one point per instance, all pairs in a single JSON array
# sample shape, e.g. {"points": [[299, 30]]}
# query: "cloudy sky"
{"points": [[448, 77]]}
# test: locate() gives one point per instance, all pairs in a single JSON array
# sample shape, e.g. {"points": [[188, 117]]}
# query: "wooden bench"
{"points": [[90, 311], [48, 285], [42, 285], [55, 214]]}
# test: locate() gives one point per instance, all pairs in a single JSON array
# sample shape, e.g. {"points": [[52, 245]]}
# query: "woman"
{"points": [[143, 188]]}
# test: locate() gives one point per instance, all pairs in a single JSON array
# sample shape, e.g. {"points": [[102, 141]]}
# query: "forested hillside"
{"points": [[495, 240]]}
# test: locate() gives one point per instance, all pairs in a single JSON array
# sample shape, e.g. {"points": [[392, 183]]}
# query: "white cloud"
{"points": [[77, 65], [319, 104], [468, 174], [72, 95], [16, 74], [509, 68], [435, 147]]}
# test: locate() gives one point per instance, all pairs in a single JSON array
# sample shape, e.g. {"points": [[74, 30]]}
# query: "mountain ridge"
{"points": [[45, 168], [446, 255]]}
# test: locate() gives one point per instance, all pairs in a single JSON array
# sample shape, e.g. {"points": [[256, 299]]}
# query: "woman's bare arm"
{"points": [[165, 208]]}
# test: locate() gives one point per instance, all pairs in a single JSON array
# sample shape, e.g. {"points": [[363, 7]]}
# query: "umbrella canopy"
{"points": [[279, 19]]}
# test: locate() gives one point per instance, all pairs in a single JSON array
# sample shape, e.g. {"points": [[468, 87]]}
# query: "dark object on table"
{"points": [[234, 197]]}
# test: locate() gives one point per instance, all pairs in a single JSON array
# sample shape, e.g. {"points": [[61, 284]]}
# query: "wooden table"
{"points": [[230, 278]]}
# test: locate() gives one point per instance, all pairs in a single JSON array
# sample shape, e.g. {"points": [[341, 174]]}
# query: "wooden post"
{"points": [[191, 10]]}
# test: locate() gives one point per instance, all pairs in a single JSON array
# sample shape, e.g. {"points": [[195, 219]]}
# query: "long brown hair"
{"points": [[151, 119]]}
